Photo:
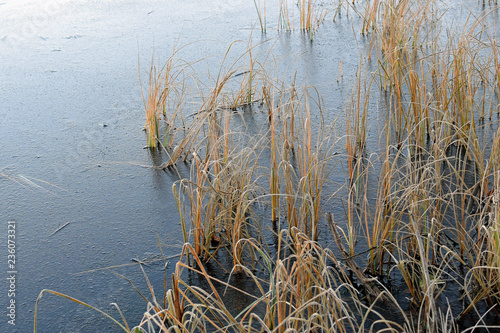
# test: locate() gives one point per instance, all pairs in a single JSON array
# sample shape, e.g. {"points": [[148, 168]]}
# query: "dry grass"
{"points": [[433, 221], [436, 207], [309, 15]]}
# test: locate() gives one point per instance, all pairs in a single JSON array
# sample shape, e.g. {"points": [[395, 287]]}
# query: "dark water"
{"points": [[71, 152]]}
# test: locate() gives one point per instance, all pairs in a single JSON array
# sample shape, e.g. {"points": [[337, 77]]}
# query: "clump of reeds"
{"points": [[303, 291], [430, 199], [432, 220], [419, 223], [311, 15], [165, 99], [285, 22]]}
